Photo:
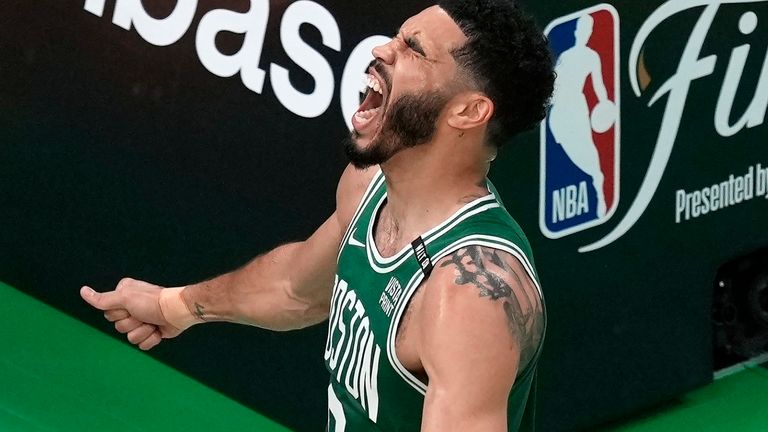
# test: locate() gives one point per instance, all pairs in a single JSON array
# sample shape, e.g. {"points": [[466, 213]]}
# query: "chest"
{"points": [[388, 235], [389, 240], [371, 350], [370, 311]]}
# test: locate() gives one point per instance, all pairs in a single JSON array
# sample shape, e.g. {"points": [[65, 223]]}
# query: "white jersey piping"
{"points": [[470, 240]]}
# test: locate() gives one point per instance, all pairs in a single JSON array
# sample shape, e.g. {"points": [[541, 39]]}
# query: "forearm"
{"points": [[268, 292], [286, 288]]}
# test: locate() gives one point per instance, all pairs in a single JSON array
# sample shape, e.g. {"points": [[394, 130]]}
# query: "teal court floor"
{"points": [[734, 402], [58, 374]]}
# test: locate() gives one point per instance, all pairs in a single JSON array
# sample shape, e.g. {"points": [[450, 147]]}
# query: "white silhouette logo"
{"points": [[580, 136], [569, 119]]}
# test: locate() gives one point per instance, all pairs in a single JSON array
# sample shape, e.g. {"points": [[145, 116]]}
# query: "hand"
{"points": [[134, 307]]}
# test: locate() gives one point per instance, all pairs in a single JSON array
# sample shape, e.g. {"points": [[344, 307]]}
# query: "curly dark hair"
{"points": [[508, 58]]}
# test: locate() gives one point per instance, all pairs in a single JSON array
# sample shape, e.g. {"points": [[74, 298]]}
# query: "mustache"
{"points": [[378, 66]]}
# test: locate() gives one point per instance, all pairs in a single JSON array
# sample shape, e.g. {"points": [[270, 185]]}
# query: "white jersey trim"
{"points": [[394, 361], [374, 185], [386, 265]]}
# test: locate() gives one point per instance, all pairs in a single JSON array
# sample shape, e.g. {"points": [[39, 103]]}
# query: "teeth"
{"points": [[367, 114], [374, 84]]}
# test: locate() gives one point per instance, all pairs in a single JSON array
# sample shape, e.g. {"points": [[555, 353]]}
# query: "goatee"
{"points": [[410, 121]]}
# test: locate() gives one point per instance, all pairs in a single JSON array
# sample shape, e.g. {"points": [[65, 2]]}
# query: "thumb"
{"points": [[169, 331], [102, 301]]}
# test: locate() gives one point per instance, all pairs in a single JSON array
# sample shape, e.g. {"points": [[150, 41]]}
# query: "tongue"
{"points": [[363, 119], [368, 111], [372, 100]]}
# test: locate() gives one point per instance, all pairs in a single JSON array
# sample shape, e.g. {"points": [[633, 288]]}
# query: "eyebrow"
{"points": [[413, 43]]}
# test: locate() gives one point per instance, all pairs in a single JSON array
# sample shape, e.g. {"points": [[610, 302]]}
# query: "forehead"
{"points": [[434, 29]]}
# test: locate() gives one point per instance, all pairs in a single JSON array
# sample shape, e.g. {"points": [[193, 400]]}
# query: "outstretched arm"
{"points": [[483, 322], [286, 288]]}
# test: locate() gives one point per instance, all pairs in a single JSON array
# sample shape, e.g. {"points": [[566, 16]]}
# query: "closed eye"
{"points": [[411, 42], [415, 45]]}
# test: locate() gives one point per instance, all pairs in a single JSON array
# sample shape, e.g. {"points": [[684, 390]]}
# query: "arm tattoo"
{"points": [[489, 272], [200, 311]]}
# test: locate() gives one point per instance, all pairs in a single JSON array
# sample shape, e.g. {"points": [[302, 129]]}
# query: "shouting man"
{"points": [[436, 317]]}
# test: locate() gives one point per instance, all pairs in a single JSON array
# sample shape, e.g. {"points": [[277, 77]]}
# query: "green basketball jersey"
{"points": [[370, 390]]}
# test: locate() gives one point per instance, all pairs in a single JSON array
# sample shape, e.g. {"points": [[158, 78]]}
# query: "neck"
{"points": [[429, 182]]}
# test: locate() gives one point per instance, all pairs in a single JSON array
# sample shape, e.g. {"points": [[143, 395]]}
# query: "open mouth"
{"points": [[371, 109]]}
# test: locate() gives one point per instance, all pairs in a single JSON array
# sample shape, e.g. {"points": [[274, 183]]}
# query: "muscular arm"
{"points": [[286, 288], [483, 322]]}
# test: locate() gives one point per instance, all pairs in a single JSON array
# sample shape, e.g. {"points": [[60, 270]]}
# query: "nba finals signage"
{"points": [[579, 139]]}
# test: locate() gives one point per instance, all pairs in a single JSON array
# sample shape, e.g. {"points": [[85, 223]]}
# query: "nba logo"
{"points": [[579, 186]]}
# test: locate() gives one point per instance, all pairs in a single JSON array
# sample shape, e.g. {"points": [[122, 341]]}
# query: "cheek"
{"points": [[410, 74], [417, 80], [425, 82]]}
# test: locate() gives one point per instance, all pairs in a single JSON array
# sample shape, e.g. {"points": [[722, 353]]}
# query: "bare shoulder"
{"points": [[350, 190], [490, 291]]}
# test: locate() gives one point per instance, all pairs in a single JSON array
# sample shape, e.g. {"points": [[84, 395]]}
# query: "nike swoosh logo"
{"points": [[353, 241]]}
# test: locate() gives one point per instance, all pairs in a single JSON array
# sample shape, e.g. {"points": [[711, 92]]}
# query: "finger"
{"points": [[141, 333], [126, 325], [103, 301], [116, 314], [151, 341]]}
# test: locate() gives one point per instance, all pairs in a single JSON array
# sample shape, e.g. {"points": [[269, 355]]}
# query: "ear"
{"points": [[470, 110]]}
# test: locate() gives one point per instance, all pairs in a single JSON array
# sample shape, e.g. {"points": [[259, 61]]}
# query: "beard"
{"points": [[409, 122]]}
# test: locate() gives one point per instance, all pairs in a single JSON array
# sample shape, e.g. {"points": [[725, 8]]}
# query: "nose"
{"points": [[386, 53]]}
